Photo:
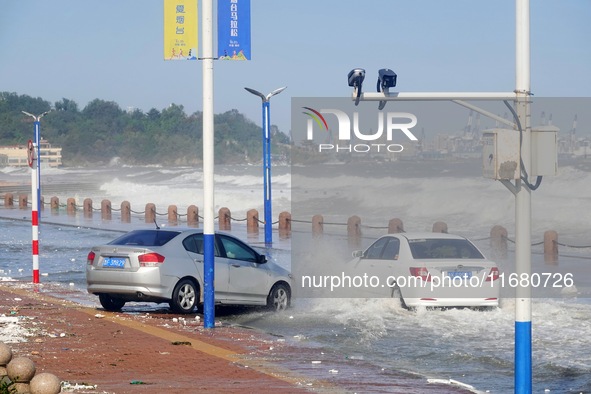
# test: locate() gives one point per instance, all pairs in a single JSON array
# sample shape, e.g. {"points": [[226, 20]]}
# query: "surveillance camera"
{"points": [[386, 79], [356, 77]]}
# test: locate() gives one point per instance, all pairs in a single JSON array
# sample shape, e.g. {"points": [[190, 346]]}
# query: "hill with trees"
{"points": [[102, 131]]}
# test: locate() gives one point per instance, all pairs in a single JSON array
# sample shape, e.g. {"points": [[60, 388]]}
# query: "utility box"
{"points": [[500, 154], [544, 150]]}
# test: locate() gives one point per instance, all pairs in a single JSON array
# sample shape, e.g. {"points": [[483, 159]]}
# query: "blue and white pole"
{"points": [[267, 160], [267, 173], [37, 141], [38, 145], [208, 167], [523, 324]]}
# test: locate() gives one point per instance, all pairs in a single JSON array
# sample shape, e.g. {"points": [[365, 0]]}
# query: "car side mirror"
{"points": [[358, 253], [262, 259]]}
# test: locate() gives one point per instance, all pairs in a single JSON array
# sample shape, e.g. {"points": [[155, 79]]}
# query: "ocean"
{"points": [[367, 340]]}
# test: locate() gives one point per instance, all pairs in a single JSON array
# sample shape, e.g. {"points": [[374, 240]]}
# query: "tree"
{"points": [[102, 130]]}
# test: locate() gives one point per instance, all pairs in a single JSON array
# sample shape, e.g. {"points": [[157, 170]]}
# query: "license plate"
{"points": [[460, 274], [114, 262]]}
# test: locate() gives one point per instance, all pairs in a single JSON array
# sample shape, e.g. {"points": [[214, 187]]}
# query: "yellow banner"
{"points": [[180, 29]]}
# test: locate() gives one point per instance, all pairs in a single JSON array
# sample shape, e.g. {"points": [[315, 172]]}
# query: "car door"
{"points": [[194, 246], [379, 264], [248, 279]]}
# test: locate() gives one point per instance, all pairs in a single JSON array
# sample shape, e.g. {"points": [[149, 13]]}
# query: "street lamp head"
{"points": [[256, 93], [276, 91], [268, 96], [38, 117]]}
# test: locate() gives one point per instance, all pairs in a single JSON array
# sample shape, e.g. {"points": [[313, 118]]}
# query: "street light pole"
{"points": [[267, 159], [523, 307], [208, 167]]}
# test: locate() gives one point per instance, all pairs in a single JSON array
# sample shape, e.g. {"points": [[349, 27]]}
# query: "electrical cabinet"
{"points": [[544, 150], [500, 154]]}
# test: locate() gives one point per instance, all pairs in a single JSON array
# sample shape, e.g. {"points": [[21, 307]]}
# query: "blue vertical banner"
{"points": [[234, 29]]}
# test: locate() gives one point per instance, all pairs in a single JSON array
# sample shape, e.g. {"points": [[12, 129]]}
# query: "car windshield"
{"points": [[443, 249], [145, 238]]}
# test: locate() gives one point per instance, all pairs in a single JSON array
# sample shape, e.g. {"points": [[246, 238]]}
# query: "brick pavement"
{"points": [[143, 353], [165, 353]]}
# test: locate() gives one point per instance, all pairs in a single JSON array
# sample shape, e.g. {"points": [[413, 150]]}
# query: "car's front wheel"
{"points": [[184, 297], [111, 303], [279, 297]]}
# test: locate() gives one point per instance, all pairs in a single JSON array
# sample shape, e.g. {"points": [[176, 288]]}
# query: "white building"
{"points": [[16, 155]]}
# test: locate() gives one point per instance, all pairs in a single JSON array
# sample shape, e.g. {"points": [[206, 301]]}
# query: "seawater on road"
{"points": [[359, 340], [371, 340]]}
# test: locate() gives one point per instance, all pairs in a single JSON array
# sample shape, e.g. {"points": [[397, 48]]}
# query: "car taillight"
{"points": [[493, 274], [150, 259], [421, 272], [90, 258]]}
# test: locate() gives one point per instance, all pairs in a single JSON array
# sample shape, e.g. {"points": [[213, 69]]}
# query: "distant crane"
{"points": [[573, 134], [468, 127], [544, 121]]}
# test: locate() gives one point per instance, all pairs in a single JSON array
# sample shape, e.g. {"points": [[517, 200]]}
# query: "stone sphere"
{"points": [[5, 354], [21, 388], [20, 369], [45, 383]]}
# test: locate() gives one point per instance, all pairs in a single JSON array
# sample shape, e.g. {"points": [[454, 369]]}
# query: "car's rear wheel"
{"points": [[279, 298], [184, 297], [111, 303]]}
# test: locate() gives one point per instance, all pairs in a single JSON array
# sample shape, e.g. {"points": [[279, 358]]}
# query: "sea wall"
{"points": [[353, 228]]}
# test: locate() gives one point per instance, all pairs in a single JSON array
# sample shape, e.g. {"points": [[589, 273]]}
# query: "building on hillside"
{"points": [[16, 155]]}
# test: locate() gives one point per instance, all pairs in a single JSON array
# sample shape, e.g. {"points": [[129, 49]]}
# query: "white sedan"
{"points": [[428, 269]]}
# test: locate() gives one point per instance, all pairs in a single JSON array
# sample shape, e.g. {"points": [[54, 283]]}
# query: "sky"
{"points": [[113, 50]]}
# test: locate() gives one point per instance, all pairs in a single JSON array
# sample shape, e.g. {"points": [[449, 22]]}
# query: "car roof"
{"points": [[175, 229], [182, 230], [427, 235]]}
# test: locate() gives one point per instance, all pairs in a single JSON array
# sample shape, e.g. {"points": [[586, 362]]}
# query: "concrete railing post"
{"points": [[172, 215], [87, 207], [395, 226], [551, 246], [498, 241], [71, 206], [192, 216], [55, 204], [439, 227], [106, 213], [224, 219], [284, 224], [23, 201], [317, 225], [252, 221], [8, 200], [150, 213], [125, 212], [354, 230]]}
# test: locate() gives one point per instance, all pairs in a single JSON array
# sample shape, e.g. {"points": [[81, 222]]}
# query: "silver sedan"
{"points": [[166, 265]]}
